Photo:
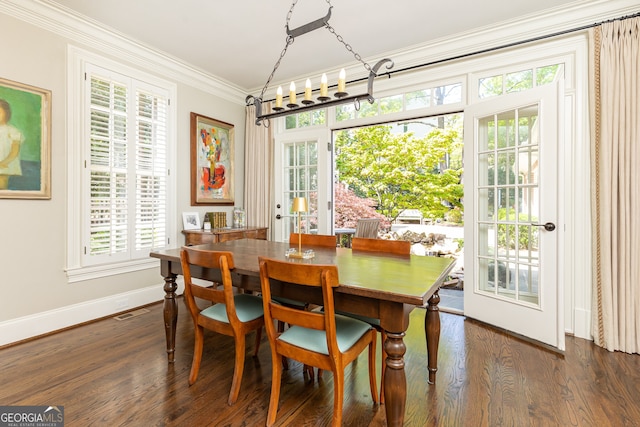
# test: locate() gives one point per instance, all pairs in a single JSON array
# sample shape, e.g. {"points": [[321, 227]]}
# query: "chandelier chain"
{"points": [[290, 39], [349, 48], [275, 67]]}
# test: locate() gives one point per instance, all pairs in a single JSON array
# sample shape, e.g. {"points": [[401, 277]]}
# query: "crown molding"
{"points": [[563, 18], [67, 23]]}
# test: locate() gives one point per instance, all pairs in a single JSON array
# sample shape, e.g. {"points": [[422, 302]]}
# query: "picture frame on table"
{"points": [[25, 141], [212, 161], [191, 221]]}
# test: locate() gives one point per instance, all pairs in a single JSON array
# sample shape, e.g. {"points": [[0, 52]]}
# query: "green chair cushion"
{"points": [[287, 302], [248, 307], [348, 332], [370, 320]]}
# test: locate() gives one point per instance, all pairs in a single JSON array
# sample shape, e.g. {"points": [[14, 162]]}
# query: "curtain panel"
{"points": [[258, 167], [615, 134]]}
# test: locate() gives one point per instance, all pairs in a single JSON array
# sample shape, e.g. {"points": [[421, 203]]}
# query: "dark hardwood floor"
{"points": [[115, 373]]}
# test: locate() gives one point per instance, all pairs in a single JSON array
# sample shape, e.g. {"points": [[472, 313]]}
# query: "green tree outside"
{"points": [[401, 171]]}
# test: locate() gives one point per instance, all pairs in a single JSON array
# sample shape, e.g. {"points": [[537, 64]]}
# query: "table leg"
{"points": [[170, 314], [395, 381], [432, 333]]}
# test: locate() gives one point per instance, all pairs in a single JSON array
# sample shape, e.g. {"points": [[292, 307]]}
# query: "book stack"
{"points": [[217, 219]]}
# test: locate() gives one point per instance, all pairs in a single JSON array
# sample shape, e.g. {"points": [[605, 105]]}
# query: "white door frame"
{"points": [[542, 322], [324, 180]]}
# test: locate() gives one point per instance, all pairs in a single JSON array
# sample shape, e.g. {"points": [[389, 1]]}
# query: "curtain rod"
{"points": [[504, 46], [492, 49]]}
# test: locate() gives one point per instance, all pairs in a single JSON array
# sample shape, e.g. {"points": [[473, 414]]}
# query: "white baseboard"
{"points": [[22, 328]]}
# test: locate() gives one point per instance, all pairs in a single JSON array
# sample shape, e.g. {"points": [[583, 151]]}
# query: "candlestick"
{"points": [[307, 93], [324, 90], [292, 94], [279, 97], [307, 90], [342, 80]]}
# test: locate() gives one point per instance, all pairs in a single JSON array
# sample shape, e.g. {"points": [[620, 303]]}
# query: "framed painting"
{"points": [[25, 141], [212, 158]]}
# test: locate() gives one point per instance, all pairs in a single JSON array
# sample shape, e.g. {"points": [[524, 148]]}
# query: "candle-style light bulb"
{"points": [[342, 77], [279, 97], [292, 93], [323, 85], [307, 90]]}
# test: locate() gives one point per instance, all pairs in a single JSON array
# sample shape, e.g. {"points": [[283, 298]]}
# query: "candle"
{"points": [[323, 85], [292, 93], [341, 80], [279, 97], [307, 90]]}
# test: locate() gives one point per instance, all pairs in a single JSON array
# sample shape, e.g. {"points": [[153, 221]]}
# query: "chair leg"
{"points": [[197, 354], [276, 378], [372, 367], [258, 338], [338, 396], [237, 370], [383, 338]]}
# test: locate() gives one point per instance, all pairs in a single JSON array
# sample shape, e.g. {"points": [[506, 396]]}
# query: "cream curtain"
{"points": [[258, 167], [615, 129]]}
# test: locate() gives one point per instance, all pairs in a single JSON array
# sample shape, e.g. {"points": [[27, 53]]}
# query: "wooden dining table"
{"points": [[383, 286]]}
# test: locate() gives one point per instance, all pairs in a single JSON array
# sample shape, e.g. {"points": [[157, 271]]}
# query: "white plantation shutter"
{"points": [[151, 176], [126, 168]]}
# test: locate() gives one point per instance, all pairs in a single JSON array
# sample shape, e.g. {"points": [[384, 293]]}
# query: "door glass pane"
{"points": [[301, 180], [508, 205]]}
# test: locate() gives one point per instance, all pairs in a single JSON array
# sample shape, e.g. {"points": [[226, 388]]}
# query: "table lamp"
{"points": [[299, 205]]}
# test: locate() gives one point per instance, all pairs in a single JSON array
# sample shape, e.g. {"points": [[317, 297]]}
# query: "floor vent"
{"points": [[130, 314]]}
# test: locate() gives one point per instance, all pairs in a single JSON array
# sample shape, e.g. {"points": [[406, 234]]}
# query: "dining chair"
{"points": [[231, 315], [326, 340], [367, 228], [395, 247], [330, 241]]}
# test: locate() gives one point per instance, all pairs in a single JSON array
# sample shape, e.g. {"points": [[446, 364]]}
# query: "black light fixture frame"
{"points": [[323, 102]]}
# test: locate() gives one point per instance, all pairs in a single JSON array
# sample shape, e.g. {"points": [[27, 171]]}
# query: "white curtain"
{"points": [[615, 129], [258, 167]]}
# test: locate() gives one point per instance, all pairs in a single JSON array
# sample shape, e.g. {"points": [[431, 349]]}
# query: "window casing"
{"points": [[122, 153]]}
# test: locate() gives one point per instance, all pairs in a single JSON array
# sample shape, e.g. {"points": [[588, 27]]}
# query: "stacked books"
{"points": [[217, 219]]}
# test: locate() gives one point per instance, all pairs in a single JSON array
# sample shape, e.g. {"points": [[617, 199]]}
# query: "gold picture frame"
{"points": [[212, 161], [25, 141]]}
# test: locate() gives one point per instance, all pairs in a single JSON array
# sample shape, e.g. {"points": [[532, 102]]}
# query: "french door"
{"points": [[512, 148], [302, 165]]}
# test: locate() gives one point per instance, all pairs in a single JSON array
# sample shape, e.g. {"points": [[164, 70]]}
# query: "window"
{"points": [[123, 154], [417, 99], [306, 119], [518, 81]]}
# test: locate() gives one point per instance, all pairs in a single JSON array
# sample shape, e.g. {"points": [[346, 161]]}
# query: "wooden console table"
{"points": [[216, 235]]}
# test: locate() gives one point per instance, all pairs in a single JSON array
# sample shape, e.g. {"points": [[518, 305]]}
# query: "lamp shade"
{"points": [[299, 205]]}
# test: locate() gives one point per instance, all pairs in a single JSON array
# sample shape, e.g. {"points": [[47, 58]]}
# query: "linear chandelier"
{"points": [[324, 99]]}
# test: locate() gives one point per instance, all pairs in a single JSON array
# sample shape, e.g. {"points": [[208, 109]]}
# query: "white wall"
{"points": [[36, 294]]}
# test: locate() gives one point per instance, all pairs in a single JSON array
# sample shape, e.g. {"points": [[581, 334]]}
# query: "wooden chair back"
{"points": [[329, 241], [302, 344], [367, 228], [223, 301], [222, 261], [397, 247]]}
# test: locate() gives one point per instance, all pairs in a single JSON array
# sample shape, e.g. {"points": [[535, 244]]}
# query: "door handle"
{"points": [[278, 216], [549, 226]]}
